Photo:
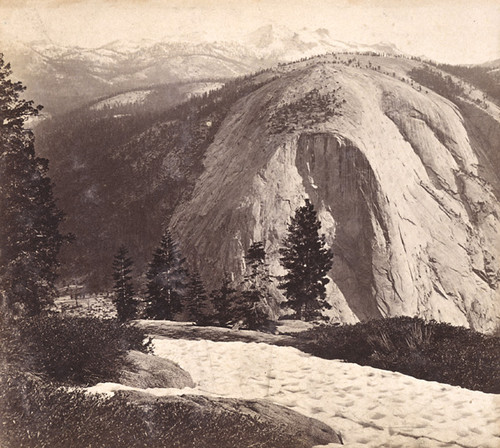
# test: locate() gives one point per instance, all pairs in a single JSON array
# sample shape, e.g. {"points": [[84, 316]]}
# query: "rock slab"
{"points": [[299, 430], [147, 371]]}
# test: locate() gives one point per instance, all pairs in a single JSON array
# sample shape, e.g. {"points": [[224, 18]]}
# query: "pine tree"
{"points": [[198, 303], [250, 305], [126, 304], [256, 262], [167, 281], [223, 300], [29, 218], [307, 261]]}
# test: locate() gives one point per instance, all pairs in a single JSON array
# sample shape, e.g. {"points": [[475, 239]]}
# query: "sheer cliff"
{"points": [[405, 181]]}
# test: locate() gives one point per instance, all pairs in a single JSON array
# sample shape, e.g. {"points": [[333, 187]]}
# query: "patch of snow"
{"points": [[293, 326], [109, 389], [136, 96], [200, 88], [370, 407], [162, 323]]}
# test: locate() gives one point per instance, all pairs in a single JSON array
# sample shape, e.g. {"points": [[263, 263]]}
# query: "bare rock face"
{"points": [[146, 371], [404, 182]]}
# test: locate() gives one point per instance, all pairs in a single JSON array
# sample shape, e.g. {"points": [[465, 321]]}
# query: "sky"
{"points": [[454, 31]]}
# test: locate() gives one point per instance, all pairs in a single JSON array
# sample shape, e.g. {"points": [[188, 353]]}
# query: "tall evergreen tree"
{"points": [[223, 300], [29, 218], [307, 261], [251, 305], [167, 280], [198, 303], [124, 300]]}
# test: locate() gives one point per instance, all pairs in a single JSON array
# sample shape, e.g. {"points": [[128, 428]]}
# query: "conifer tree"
{"points": [[126, 304], [198, 303], [29, 218], [307, 261], [167, 280], [256, 262], [223, 300], [251, 304]]}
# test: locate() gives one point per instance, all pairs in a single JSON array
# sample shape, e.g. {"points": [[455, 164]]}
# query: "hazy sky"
{"points": [[445, 30]]}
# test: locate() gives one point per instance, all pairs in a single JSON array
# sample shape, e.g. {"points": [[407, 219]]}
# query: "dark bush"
{"points": [[40, 415], [70, 350], [427, 350]]}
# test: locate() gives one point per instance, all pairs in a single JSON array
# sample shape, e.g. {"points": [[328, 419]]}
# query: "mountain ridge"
{"points": [[65, 77]]}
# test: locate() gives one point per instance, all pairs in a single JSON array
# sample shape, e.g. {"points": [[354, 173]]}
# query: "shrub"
{"points": [[37, 415], [33, 414], [427, 350], [70, 349]]}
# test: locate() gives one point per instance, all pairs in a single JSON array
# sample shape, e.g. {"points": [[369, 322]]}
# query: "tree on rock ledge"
{"points": [[307, 261]]}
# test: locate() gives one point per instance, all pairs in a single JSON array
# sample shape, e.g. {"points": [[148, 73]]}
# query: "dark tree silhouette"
{"points": [[223, 300], [256, 261], [198, 303], [307, 261], [252, 304], [29, 218], [126, 304], [167, 280]]}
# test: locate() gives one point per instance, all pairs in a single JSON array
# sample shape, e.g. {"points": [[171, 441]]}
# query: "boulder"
{"points": [[145, 371], [252, 421]]}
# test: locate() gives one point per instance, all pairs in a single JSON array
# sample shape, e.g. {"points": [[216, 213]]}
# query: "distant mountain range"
{"points": [[63, 77]]}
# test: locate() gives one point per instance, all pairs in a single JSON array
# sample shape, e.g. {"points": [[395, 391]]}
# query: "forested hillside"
{"points": [[121, 170]]}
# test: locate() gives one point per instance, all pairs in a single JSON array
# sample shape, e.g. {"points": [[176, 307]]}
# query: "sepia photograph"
{"points": [[249, 224]]}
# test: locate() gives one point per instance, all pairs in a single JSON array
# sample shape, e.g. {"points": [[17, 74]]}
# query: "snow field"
{"points": [[136, 96], [369, 407]]}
